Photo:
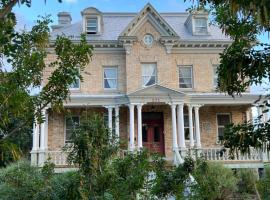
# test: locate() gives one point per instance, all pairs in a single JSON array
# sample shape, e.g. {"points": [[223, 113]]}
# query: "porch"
{"points": [[188, 123]]}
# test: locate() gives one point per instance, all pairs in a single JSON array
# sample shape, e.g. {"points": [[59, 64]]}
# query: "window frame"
{"points": [[192, 76], [65, 131], [201, 27], [103, 77], [187, 127], [215, 75], [79, 80], [97, 25], [142, 76], [217, 126]]}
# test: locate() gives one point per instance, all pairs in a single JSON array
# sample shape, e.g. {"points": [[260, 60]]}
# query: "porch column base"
{"points": [[34, 158], [42, 157]]}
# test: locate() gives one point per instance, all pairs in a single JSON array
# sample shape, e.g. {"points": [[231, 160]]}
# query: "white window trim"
{"points": [[65, 129], [192, 76], [194, 26], [78, 88], [103, 78], [215, 66], [217, 126], [98, 23], [156, 78]]}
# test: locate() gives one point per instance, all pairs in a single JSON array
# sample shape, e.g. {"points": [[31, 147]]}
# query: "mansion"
{"points": [[153, 77]]}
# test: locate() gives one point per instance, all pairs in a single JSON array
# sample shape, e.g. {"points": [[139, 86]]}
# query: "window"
{"points": [[215, 76], [201, 25], [186, 126], [222, 121], [185, 77], [110, 77], [72, 123], [92, 25], [149, 73], [76, 84]]}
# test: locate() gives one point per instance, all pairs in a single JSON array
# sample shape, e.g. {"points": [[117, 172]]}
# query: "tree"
{"points": [[26, 52], [245, 62]]}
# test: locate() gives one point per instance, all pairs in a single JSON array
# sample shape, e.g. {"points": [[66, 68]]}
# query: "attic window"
{"points": [[91, 25], [201, 25]]}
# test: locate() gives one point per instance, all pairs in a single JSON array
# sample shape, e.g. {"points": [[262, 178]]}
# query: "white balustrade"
{"points": [[216, 154], [58, 157]]}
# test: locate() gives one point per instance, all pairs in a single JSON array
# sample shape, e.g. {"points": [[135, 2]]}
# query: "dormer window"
{"points": [[200, 25], [91, 25], [92, 21]]}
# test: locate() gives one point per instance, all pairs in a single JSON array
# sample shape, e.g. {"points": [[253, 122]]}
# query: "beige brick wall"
{"points": [[129, 66]]}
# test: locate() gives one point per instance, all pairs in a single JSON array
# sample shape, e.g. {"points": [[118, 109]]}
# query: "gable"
{"points": [[148, 13], [156, 90]]}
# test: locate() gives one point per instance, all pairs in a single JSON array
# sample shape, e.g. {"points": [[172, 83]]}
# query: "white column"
{"points": [[139, 114], [191, 139], [110, 109], [131, 127], [174, 128], [117, 133], [180, 126], [197, 123], [43, 137], [35, 147]]}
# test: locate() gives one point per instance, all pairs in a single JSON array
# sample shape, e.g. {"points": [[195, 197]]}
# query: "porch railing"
{"points": [[59, 158], [216, 154]]}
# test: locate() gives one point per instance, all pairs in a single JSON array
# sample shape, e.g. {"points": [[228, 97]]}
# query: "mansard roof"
{"points": [[117, 24]]}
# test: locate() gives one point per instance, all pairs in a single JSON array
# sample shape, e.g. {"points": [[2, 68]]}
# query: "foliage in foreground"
{"points": [[263, 185]]}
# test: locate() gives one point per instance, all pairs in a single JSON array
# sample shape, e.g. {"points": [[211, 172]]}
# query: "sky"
{"points": [[26, 16]]}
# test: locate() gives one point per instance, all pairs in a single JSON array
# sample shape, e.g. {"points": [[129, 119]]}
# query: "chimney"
{"points": [[64, 19]]}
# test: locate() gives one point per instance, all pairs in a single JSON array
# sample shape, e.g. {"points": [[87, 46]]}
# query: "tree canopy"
{"points": [[26, 52]]}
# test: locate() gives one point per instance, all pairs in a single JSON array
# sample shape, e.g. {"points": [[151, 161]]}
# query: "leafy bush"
{"points": [[214, 182], [246, 181], [263, 185]]}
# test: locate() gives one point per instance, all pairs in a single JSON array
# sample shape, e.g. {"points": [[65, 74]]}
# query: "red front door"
{"points": [[152, 132]]}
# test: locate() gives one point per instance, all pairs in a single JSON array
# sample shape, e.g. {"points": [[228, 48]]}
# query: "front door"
{"points": [[152, 132]]}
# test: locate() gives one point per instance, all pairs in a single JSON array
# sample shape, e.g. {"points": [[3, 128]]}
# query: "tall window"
{"points": [[186, 126], [185, 77], [201, 25], [91, 25], [110, 77], [76, 84], [222, 121], [72, 123], [215, 76], [149, 74]]}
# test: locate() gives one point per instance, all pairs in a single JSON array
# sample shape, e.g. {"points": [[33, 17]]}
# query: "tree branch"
{"points": [[7, 9]]}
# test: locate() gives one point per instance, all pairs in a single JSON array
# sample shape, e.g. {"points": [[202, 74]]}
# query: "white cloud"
{"points": [[70, 1]]}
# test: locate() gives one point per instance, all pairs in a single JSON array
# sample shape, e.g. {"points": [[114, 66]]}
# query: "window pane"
{"points": [[185, 72], [144, 134], [110, 73], [110, 83], [201, 25], [186, 133], [221, 133], [156, 134], [72, 123], [149, 74], [186, 121], [185, 77], [76, 84], [223, 119]]}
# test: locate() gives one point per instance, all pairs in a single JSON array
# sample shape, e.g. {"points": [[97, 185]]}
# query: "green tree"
{"points": [[26, 52], [244, 63]]}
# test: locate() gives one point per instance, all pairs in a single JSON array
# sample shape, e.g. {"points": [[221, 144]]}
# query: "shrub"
{"points": [[246, 181], [263, 185], [214, 182]]}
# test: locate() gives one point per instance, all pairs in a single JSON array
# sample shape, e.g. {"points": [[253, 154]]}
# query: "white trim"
{"points": [[192, 77], [103, 70], [217, 134]]}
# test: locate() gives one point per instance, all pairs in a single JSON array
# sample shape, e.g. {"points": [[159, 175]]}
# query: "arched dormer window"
{"points": [[92, 21]]}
